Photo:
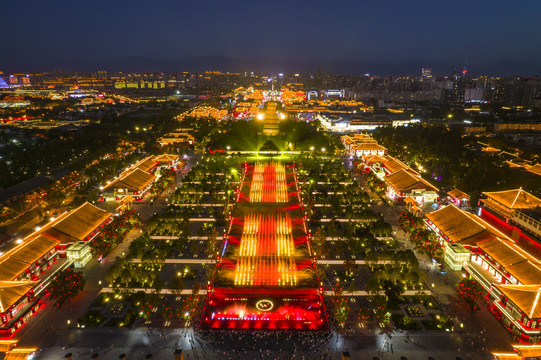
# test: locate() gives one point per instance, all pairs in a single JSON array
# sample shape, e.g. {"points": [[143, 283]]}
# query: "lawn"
{"points": [[126, 321], [405, 322], [102, 300], [428, 301], [394, 304], [91, 318], [439, 322]]}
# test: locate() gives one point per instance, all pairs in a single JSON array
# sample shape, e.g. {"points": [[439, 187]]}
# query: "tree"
{"points": [[469, 290], [318, 243], [190, 304], [363, 315], [379, 309], [67, 284], [427, 243], [158, 284], [407, 322], [375, 184], [176, 285], [145, 308], [167, 311], [113, 233], [340, 305], [372, 285], [409, 222], [350, 266], [212, 243]]}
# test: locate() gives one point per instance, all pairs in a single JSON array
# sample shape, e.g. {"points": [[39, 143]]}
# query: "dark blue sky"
{"points": [[38, 31]]}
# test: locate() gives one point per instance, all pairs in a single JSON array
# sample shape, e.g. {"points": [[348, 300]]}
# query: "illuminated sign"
{"points": [[264, 305]]}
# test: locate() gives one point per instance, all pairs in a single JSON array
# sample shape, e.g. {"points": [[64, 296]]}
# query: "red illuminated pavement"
{"points": [[265, 277]]}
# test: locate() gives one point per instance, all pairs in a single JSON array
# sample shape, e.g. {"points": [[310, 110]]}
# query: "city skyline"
{"points": [[226, 180], [484, 33]]}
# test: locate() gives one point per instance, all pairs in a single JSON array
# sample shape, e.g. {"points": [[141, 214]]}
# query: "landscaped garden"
{"points": [[343, 227]]}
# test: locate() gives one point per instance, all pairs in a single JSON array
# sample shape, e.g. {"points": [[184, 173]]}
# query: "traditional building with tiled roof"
{"points": [[402, 184], [528, 351], [11, 351], [505, 202], [534, 169], [147, 164], [520, 308], [370, 159], [177, 137], [368, 148], [517, 213], [459, 198], [27, 269], [521, 352], [508, 272], [362, 145], [383, 165], [456, 226], [492, 258], [392, 165], [80, 224], [134, 183], [170, 161]]}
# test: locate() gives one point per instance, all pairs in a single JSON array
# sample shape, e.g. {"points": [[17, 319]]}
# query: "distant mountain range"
{"points": [[222, 63]]}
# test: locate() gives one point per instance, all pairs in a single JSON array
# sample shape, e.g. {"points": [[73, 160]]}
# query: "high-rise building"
{"points": [[426, 72]]}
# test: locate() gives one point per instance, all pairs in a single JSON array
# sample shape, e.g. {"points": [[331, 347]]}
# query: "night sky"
{"points": [[38, 31]]}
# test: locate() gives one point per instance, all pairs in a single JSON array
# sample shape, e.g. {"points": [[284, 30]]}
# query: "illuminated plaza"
{"points": [[266, 274]]}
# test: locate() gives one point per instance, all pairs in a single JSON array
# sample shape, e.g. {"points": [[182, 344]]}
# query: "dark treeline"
{"points": [[50, 151], [442, 152]]}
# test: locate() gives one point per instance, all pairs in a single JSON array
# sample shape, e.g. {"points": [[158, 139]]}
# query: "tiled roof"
{"points": [[374, 158], [535, 169], [79, 223], [394, 165], [404, 181], [146, 164], [135, 180], [528, 351], [514, 199], [12, 291], [21, 257], [458, 194], [456, 224], [166, 158], [525, 297]]}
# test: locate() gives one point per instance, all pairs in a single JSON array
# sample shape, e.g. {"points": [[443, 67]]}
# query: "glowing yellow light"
{"points": [[264, 305]]}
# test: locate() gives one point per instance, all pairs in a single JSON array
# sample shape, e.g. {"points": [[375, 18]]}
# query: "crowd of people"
{"points": [[275, 344]]}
